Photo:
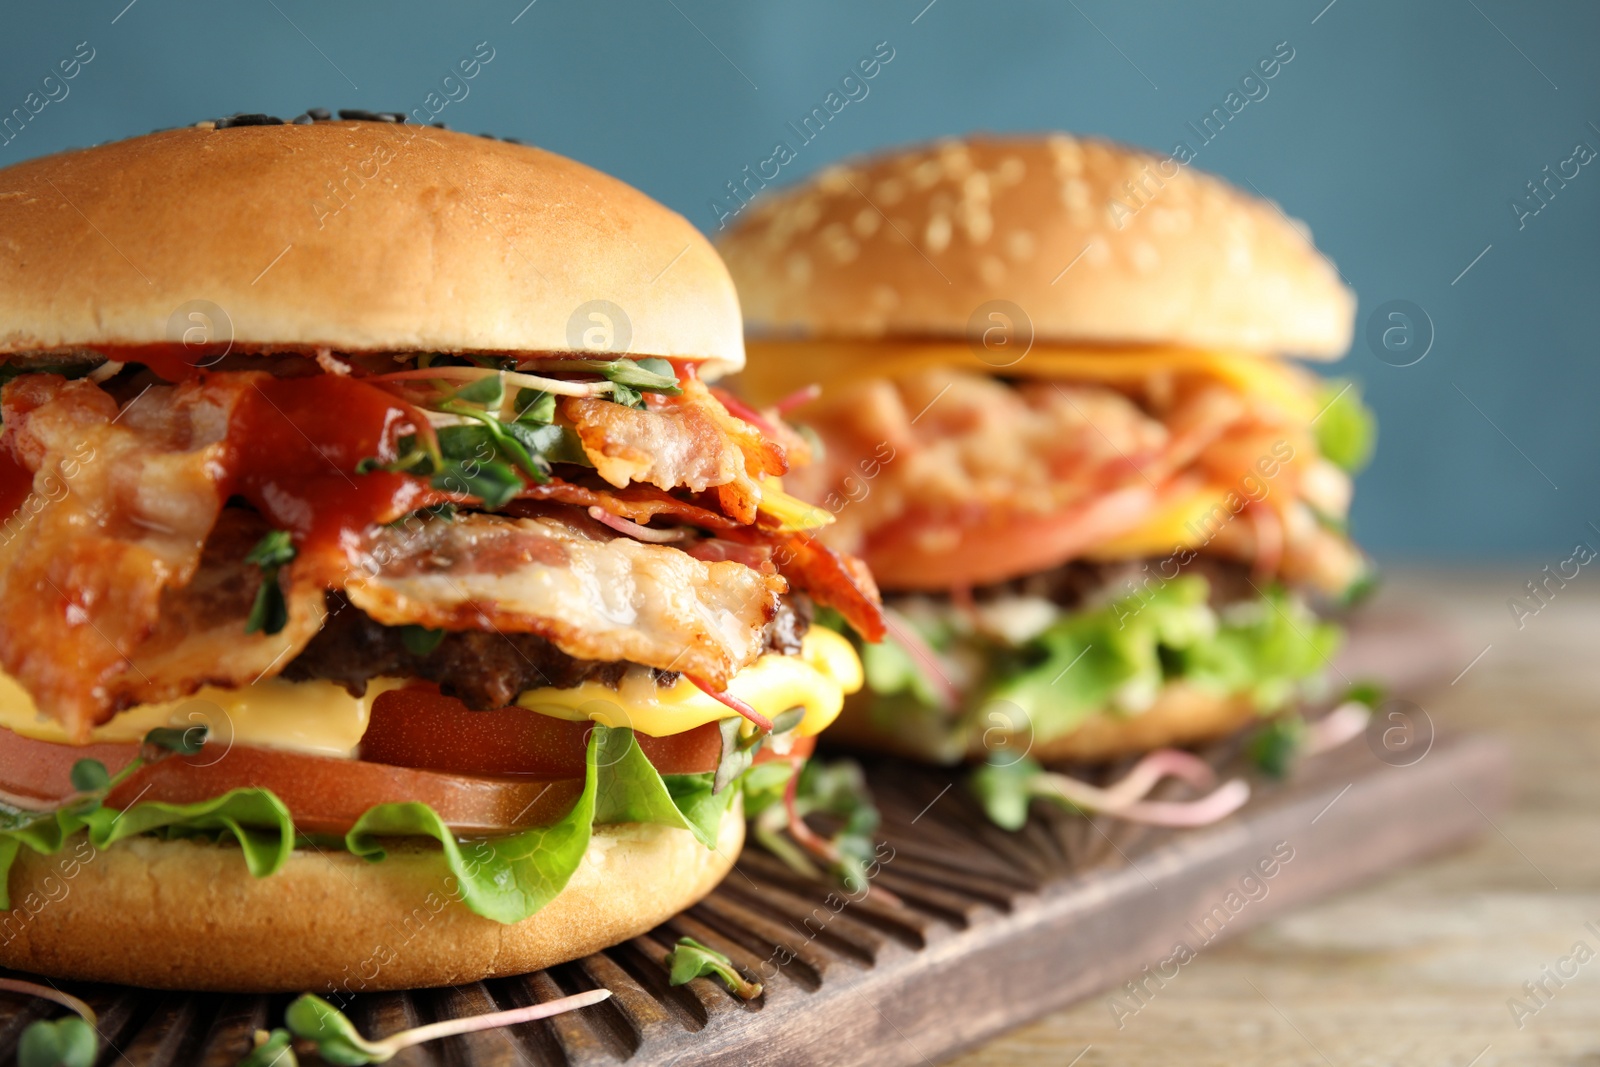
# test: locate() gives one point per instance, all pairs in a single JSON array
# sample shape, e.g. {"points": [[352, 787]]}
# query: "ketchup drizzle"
{"points": [[295, 444]]}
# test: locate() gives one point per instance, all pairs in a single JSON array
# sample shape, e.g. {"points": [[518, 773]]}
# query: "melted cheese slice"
{"points": [[322, 719], [779, 368], [1185, 522], [817, 679], [319, 718]]}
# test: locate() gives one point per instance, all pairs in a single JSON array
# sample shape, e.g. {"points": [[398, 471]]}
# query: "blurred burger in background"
{"points": [[386, 600], [1058, 423]]}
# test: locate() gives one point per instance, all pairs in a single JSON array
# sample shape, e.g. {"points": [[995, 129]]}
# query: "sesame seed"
{"points": [[890, 191], [977, 221], [834, 180], [1068, 155], [1020, 245], [838, 242]]}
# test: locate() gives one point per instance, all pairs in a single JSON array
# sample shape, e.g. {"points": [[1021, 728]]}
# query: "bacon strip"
{"points": [[594, 595], [831, 578], [689, 441], [126, 502], [640, 503], [122, 580], [945, 477]]}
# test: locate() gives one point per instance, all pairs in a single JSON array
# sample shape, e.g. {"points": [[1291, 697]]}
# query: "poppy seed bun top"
{"points": [[1096, 242], [357, 236]]}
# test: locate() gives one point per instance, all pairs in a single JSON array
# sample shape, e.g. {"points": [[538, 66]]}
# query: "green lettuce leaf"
{"points": [[1347, 432], [889, 667], [509, 877], [1113, 659], [505, 878], [1090, 660], [1130, 648], [631, 790], [255, 819], [700, 806], [1264, 648]]}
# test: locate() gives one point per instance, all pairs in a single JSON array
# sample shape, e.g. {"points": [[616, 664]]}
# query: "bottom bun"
{"points": [[184, 914], [1181, 715]]}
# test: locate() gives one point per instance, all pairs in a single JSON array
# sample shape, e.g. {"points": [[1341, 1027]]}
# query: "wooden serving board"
{"points": [[996, 928]]}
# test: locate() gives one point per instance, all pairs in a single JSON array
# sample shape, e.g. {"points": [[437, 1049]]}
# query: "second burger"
{"points": [[1058, 429]]}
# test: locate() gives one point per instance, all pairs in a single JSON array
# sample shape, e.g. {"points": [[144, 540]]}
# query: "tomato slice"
{"points": [[420, 727], [481, 771], [326, 795], [40, 770], [938, 552]]}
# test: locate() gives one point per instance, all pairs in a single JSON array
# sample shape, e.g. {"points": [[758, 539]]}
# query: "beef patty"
{"points": [[484, 669], [1081, 583]]}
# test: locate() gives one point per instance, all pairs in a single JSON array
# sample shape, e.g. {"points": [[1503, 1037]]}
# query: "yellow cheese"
{"points": [[315, 717], [817, 679], [321, 718], [1186, 522], [779, 368], [791, 512]]}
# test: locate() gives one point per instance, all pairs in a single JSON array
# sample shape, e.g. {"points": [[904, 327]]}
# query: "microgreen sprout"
{"points": [[689, 959], [70, 1041], [312, 1019], [270, 612]]}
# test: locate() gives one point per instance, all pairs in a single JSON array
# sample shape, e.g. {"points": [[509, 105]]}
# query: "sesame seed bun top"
{"points": [[1093, 241], [356, 236]]}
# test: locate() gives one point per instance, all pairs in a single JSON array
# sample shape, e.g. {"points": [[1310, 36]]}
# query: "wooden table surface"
{"points": [[1421, 967]]}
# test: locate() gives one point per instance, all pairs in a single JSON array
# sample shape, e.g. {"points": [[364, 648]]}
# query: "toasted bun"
{"points": [[1181, 715], [357, 236], [1094, 241], [184, 914]]}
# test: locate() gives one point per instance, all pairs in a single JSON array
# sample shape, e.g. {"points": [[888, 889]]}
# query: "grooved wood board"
{"points": [[996, 928]]}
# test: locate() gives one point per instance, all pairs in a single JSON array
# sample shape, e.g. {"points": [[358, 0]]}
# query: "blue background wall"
{"points": [[1399, 131]]}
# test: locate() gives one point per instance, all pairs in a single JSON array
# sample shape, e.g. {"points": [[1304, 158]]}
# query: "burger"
{"points": [[386, 599], [1107, 514]]}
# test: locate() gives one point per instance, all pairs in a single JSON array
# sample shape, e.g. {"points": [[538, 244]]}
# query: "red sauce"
{"points": [[296, 445], [170, 360]]}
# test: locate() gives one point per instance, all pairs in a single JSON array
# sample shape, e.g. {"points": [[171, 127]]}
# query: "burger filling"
{"points": [[1030, 660], [412, 595], [1068, 535]]}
